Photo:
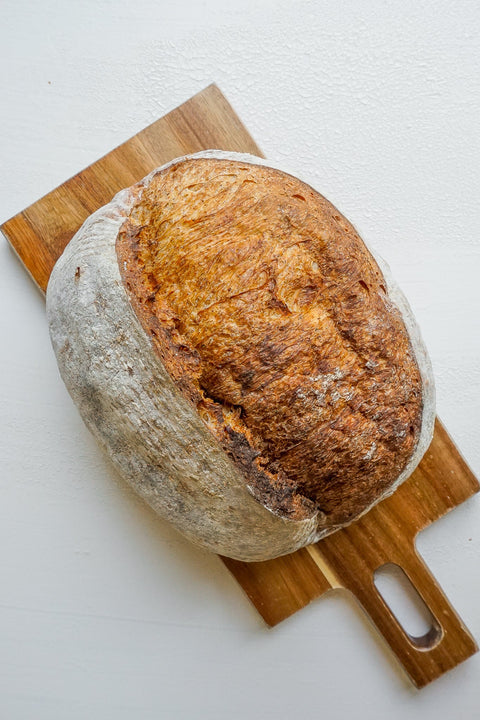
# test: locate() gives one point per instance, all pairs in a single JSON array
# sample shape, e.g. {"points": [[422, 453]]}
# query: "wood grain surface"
{"points": [[349, 558]]}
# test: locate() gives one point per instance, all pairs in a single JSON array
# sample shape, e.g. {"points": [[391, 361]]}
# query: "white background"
{"points": [[106, 612]]}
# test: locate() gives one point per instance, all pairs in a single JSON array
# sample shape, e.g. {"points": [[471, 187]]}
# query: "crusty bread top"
{"points": [[273, 319]]}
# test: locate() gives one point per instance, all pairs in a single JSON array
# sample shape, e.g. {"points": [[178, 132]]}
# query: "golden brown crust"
{"points": [[273, 319]]}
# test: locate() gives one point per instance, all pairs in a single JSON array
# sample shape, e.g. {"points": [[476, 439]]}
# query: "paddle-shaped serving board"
{"points": [[349, 558]]}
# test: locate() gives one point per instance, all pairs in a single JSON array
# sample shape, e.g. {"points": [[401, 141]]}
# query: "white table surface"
{"points": [[105, 611]]}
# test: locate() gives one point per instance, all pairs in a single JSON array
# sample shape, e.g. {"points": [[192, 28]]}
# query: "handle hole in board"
{"points": [[408, 607]]}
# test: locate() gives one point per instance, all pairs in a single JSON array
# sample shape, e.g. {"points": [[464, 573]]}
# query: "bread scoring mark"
{"points": [[273, 320]]}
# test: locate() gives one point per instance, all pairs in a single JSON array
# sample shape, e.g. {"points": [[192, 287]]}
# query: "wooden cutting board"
{"points": [[349, 558]]}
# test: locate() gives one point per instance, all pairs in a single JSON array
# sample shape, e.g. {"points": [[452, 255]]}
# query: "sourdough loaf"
{"points": [[249, 366]]}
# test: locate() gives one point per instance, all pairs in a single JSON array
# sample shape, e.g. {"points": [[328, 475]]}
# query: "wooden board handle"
{"points": [[446, 644], [448, 641]]}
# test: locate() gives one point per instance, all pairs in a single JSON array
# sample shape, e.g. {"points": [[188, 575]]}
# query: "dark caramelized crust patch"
{"points": [[273, 319]]}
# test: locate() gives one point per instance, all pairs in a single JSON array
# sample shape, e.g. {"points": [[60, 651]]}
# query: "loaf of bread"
{"points": [[251, 369]]}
